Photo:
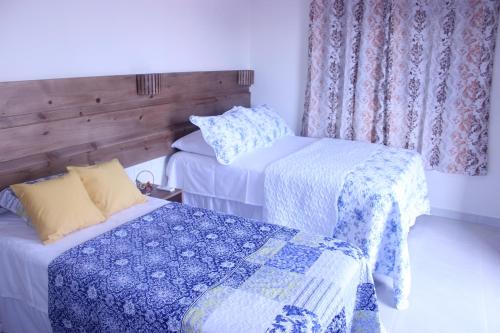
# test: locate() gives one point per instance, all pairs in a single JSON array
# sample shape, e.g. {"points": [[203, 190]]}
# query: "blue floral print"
{"points": [[175, 268], [240, 131]]}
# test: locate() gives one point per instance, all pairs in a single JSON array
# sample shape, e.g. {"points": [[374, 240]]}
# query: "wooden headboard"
{"points": [[46, 125]]}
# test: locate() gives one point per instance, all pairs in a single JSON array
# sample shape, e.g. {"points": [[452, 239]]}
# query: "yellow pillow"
{"points": [[109, 186], [58, 206]]}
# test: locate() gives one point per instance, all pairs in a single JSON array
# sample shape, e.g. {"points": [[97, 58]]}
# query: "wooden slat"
{"points": [[99, 118], [129, 152], [83, 111], [73, 131], [148, 84], [245, 77], [25, 97]]}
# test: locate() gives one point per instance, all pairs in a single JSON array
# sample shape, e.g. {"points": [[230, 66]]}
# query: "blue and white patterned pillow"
{"points": [[240, 131], [230, 134], [10, 202], [269, 123]]}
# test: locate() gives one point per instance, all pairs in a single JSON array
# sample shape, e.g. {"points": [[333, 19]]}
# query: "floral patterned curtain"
{"points": [[405, 73]]}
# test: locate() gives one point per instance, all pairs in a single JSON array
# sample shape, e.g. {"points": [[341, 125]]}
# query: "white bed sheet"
{"points": [[242, 181], [24, 264], [224, 206]]}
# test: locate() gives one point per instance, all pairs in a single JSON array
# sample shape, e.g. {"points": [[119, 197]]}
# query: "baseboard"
{"points": [[466, 217]]}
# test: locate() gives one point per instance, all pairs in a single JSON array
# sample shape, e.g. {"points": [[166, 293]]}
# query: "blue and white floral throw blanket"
{"points": [[366, 194], [183, 269]]}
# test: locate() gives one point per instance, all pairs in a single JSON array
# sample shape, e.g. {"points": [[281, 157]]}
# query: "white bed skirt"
{"points": [[18, 317], [223, 206]]}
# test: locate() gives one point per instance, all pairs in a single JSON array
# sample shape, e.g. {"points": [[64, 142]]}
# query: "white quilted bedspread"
{"points": [[306, 179]]}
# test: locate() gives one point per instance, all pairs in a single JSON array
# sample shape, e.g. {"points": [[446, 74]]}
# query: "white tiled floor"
{"points": [[456, 280]]}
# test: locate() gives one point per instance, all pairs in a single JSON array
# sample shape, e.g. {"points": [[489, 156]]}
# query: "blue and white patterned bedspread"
{"points": [[376, 202], [379, 202], [184, 269]]}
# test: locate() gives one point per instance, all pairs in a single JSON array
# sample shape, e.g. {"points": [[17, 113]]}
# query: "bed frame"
{"points": [[46, 125]]}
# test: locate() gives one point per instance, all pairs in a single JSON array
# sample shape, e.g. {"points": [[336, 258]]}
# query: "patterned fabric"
{"points": [[409, 74], [269, 123], [10, 202], [377, 203], [240, 131], [184, 269]]}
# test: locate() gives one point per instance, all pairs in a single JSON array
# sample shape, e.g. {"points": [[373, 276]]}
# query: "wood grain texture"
{"points": [[245, 77], [148, 84], [46, 125]]}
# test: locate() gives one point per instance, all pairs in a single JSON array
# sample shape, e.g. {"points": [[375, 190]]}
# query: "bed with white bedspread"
{"points": [[366, 194]]}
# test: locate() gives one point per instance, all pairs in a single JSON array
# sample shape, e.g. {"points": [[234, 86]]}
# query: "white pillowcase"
{"points": [[194, 143]]}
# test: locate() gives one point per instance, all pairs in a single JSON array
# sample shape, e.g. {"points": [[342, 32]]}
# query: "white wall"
{"points": [[278, 54], [61, 38]]}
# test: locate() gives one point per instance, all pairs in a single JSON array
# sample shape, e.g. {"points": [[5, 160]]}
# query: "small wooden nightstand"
{"points": [[175, 196]]}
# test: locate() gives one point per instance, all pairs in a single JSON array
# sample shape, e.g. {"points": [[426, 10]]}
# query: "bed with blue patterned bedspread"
{"points": [[184, 269]]}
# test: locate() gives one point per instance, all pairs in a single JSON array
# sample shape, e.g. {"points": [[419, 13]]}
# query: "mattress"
{"points": [[242, 181], [24, 261]]}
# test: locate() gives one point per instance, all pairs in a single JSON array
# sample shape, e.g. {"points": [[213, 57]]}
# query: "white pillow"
{"points": [[194, 143]]}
